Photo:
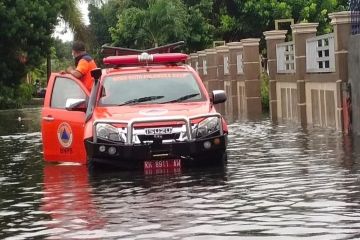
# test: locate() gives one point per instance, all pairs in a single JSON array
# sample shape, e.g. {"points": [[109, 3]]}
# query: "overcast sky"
{"points": [[68, 36]]}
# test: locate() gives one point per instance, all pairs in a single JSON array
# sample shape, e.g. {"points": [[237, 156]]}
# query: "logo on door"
{"points": [[65, 135]]}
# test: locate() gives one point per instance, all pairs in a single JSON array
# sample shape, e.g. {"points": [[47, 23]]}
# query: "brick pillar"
{"points": [[235, 50], [301, 32], [201, 57], [272, 38], [221, 51], [251, 66], [341, 22], [223, 72], [195, 61], [192, 60], [212, 83]]}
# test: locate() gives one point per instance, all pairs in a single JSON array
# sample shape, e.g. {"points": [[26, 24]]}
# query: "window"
{"points": [[153, 87], [204, 67], [226, 65], [239, 61], [65, 88]]}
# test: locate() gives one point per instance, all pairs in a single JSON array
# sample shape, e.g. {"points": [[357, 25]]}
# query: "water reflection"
{"points": [[281, 182], [19, 121], [67, 199], [119, 204]]}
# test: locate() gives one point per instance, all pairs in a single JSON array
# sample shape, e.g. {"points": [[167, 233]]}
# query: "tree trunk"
{"points": [[48, 67]]}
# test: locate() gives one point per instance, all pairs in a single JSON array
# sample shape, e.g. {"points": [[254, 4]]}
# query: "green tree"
{"points": [[160, 23], [200, 30], [250, 18], [25, 38], [71, 15], [104, 16], [136, 23]]}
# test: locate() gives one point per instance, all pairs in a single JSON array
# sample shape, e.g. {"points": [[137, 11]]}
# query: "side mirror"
{"points": [[219, 96], [76, 104], [96, 73]]}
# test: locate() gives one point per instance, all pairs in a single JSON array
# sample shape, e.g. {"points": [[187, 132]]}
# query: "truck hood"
{"points": [[127, 113]]}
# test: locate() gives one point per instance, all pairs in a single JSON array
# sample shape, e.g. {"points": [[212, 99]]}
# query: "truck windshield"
{"points": [[149, 88]]}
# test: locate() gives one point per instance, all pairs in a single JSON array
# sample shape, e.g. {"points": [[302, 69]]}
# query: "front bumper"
{"points": [[134, 155]]}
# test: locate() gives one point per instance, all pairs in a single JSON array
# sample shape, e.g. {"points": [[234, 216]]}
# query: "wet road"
{"points": [[281, 182]]}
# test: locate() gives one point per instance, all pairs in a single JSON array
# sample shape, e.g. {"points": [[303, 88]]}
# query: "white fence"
{"points": [[320, 54], [285, 57]]}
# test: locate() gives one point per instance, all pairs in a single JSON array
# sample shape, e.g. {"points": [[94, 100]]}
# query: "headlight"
{"points": [[206, 127], [108, 132]]}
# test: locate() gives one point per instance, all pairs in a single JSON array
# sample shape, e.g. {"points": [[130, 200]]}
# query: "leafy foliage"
{"points": [[144, 23], [265, 99], [160, 23], [14, 97], [250, 18], [27, 37]]}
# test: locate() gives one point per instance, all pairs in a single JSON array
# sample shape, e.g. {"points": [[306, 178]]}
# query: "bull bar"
{"points": [[130, 124]]}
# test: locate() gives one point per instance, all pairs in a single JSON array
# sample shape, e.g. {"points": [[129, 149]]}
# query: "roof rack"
{"points": [[119, 51]]}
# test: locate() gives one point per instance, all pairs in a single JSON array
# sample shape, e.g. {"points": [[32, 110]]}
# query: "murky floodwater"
{"points": [[281, 182]]}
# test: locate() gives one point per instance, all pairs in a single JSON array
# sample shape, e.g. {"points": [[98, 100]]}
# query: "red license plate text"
{"points": [[162, 164]]}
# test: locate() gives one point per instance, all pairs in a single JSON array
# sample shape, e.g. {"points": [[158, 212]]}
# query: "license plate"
{"points": [[158, 131], [162, 164]]}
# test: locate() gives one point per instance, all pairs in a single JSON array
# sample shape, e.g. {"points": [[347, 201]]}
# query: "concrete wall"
{"points": [[234, 68], [301, 95], [354, 80]]}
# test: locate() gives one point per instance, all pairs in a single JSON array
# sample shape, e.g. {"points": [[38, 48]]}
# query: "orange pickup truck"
{"points": [[147, 111]]}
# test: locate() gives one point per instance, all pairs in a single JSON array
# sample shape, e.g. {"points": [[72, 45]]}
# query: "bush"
{"points": [[15, 97], [7, 97], [25, 93], [265, 91]]}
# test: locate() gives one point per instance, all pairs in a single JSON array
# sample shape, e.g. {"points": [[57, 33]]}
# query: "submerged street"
{"points": [[281, 182]]}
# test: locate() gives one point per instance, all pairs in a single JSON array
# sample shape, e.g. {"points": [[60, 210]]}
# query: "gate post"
{"points": [[272, 38], [223, 73], [341, 22], [201, 55], [301, 32], [211, 70], [251, 61], [192, 60], [236, 70]]}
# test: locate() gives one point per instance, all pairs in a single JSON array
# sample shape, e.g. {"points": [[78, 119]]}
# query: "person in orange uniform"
{"points": [[83, 64]]}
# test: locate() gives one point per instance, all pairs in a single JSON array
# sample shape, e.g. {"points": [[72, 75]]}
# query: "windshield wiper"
{"points": [[142, 99], [183, 98]]}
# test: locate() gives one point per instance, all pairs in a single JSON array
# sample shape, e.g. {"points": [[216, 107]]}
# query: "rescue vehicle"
{"points": [[147, 110]]}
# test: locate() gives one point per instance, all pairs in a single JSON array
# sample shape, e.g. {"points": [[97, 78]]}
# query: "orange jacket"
{"points": [[84, 66]]}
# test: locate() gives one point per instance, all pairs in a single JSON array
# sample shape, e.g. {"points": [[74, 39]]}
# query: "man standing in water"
{"points": [[83, 64]]}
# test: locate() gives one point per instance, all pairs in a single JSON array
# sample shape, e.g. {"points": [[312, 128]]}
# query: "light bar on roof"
{"points": [[146, 58]]}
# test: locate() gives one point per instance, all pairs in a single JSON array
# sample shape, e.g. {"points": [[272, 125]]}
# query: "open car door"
{"points": [[63, 130]]}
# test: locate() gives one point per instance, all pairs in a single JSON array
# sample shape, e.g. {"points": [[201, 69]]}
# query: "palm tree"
{"points": [[70, 13]]}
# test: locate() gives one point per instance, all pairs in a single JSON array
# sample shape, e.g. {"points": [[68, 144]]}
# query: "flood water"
{"points": [[281, 182]]}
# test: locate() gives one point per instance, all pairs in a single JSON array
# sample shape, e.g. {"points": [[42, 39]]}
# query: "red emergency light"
{"points": [[145, 58]]}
